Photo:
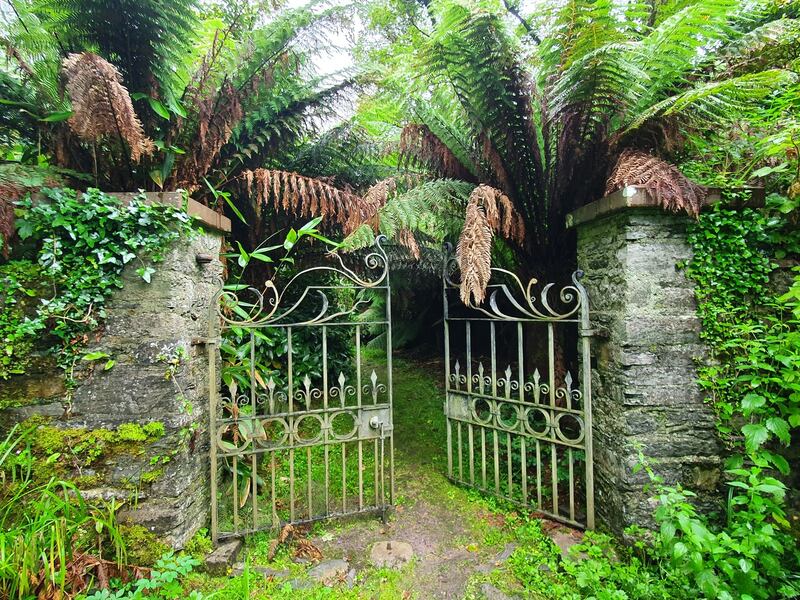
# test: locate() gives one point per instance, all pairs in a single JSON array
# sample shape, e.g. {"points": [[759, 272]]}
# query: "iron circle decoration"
{"points": [[308, 417], [511, 423], [275, 442], [530, 420], [348, 434], [230, 447], [477, 411], [558, 426]]}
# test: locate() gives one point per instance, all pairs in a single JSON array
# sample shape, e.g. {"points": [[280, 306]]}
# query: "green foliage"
{"points": [[164, 582], [754, 375], [44, 522], [81, 246]]}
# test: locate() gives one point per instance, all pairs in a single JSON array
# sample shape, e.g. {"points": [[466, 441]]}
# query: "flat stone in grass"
{"points": [[330, 572], [222, 557], [489, 592], [391, 554]]}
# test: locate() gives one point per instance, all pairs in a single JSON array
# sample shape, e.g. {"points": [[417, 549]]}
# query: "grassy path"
{"points": [[458, 538]]}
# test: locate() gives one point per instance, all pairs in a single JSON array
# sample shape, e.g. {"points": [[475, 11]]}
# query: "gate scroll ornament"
{"points": [[291, 450], [516, 430]]}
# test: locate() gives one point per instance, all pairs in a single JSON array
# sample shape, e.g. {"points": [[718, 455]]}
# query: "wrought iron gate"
{"points": [[519, 424], [289, 446]]}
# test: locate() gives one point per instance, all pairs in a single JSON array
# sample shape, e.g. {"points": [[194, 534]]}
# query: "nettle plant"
{"points": [[74, 249]]}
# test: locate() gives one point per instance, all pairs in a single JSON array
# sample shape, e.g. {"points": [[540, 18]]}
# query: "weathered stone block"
{"points": [[644, 382]]}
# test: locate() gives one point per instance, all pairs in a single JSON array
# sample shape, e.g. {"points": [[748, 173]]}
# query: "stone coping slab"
{"points": [[637, 196], [208, 217]]}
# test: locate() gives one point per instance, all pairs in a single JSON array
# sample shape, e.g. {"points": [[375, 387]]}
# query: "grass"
{"points": [[486, 525]]}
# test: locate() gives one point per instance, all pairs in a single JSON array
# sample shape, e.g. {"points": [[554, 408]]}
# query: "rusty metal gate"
{"points": [[518, 407], [289, 446]]}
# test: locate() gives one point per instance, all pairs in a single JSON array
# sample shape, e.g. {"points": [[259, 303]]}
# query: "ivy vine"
{"points": [[750, 327], [73, 252]]}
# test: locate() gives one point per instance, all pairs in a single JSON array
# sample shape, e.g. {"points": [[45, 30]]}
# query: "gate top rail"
{"points": [[509, 299], [248, 306]]}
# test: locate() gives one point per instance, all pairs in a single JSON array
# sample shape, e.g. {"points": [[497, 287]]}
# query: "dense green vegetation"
{"points": [[478, 121]]}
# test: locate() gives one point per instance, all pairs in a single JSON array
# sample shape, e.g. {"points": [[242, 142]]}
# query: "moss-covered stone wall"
{"points": [[137, 431]]}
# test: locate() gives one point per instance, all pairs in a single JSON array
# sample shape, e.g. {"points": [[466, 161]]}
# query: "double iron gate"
{"points": [[291, 446]]}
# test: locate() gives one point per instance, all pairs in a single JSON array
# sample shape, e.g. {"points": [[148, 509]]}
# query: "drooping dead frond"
{"points": [[418, 144], [664, 181], [217, 115], [501, 215], [101, 106], [294, 194], [474, 254], [405, 237], [375, 198]]}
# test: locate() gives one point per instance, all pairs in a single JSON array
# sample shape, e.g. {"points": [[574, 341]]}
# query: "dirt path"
{"points": [[452, 533]]}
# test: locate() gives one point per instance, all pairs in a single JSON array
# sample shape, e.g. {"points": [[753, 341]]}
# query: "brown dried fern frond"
{"points": [[474, 254], [217, 115], [101, 106], [295, 194], [418, 144], [664, 181], [501, 215], [405, 237]]}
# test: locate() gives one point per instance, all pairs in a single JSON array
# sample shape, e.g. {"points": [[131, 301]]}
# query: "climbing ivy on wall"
{"points": [[749, 326], [74, 249]]}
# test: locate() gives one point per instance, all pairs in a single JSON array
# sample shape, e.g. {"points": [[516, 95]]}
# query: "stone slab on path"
{"points": [[391, 554], [223, 557], [330, 572]]}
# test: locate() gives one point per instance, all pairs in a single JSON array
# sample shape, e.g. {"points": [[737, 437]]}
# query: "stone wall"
{"points": [[156, 335], [644, 386]]}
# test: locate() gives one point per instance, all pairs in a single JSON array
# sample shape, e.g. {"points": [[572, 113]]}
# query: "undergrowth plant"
{"points": [[46, 528], [75, 247]]}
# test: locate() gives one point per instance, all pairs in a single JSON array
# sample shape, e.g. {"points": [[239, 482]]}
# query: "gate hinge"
{"points": [[200, 341], [601, 332]]}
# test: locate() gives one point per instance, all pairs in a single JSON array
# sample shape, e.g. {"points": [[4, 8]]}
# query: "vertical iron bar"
{"points": [[510, 466], [460, 463], [538, 475], [325, 450], [344, 477], [211, 346], [586, 383], [389, 385], [571, 486], [254, 456], [493, 350], [275, 519], [291, 419], [523, 455], [483, 457], [358, 402], [308, 483]]}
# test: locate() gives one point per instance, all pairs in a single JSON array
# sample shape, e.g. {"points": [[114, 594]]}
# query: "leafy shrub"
{"points": [[45, 527], [164, 582], [78, 248]]}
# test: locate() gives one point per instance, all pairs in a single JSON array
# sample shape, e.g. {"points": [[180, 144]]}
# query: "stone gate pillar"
{"points": [[644, 355]]}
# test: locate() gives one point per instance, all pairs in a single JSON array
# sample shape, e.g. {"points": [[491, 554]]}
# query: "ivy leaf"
{"points": [[780, 428], [95, 355], [145, 273], [755, 435]]}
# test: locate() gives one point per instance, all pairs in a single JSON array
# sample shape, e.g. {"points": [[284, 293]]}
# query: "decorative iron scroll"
{"points": [[263, 307], [507, 289]]}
